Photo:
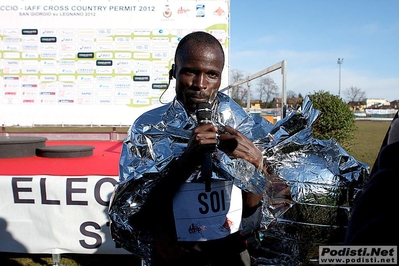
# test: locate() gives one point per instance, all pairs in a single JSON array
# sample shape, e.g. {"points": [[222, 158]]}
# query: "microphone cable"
{"points": [[167, 87]]}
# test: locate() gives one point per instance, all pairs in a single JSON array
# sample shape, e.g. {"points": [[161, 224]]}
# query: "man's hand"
{"points": [[202, 140], [237, 145]]}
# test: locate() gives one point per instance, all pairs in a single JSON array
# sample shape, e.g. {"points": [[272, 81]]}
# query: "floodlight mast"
{"points": [[340, 61]]}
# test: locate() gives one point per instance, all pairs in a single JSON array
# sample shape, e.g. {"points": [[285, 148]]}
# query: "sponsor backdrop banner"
{"points": [[101, 62], [56, 214]]}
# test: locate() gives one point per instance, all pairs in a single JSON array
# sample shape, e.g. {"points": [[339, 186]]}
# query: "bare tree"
{"points": [[238, 93], [355, 94], [267, 88], [291, 94]]}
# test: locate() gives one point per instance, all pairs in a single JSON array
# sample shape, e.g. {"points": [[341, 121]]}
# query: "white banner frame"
{"points": [[56, 214]]}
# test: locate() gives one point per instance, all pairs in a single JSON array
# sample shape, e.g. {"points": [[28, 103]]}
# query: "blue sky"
{"points": [[311, 35]]}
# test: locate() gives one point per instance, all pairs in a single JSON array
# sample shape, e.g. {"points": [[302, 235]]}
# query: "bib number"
{"points": [[202, 216]]}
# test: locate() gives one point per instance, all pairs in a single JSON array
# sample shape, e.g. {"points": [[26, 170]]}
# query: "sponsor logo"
{"points": [[167, 13], [200, 9], [183, 10], [219, 12]]}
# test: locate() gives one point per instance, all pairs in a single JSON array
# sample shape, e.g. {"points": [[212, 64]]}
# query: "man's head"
{"points": [[199, 62]]}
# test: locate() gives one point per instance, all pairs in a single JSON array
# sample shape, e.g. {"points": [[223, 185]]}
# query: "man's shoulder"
{"points": [[151, 116]]}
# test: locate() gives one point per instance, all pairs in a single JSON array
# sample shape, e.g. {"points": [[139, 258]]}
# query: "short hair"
{"points": [[197, 37]]}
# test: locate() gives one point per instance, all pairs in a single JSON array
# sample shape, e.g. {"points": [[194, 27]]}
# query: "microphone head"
{"points": [[203, 113]]}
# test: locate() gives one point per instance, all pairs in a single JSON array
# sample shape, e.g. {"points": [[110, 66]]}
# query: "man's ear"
{"points": [[172, 72]]}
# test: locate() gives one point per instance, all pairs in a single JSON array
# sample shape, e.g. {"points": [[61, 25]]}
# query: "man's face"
{"points": [[198, 75]]}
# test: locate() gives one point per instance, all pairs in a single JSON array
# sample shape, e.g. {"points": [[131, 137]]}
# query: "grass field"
{"points": [[368, 139], [366, 144]]}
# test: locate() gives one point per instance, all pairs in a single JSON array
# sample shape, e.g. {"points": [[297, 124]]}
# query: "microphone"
{"points": [[203, 113]]}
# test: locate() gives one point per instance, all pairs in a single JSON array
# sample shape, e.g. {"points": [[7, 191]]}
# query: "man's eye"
{"points": [[190, 72], [213, 75]]}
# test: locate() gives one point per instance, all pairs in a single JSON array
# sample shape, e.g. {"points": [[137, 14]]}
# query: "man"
{"points": [[163, 209], [373, 220]]}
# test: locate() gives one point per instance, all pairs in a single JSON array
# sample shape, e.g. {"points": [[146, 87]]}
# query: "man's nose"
{"points": [[200, 81]]}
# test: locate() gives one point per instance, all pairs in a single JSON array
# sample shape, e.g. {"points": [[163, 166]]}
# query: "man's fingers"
{"points": [[230, 130]]}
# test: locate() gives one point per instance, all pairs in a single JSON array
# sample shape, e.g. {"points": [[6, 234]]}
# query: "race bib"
{"points": [[202, 216]]}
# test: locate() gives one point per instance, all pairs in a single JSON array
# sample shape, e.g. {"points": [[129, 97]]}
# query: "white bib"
{"points": [[202, 216]]}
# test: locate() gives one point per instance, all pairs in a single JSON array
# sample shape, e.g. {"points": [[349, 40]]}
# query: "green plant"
{"points": [[336, 120]]}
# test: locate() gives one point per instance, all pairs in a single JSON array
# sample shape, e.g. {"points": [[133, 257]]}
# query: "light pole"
{"points": [[339, 62]]}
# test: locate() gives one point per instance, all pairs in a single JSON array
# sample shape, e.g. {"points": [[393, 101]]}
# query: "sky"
{"points": [[311, 35]]}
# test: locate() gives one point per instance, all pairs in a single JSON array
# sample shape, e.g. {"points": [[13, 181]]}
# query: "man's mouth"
{"points": [[198, 98]]}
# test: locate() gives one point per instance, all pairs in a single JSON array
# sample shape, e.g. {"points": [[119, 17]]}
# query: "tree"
{"points": [[266, 88], [291, 94], [355, 94], [336, 120], [238, 93]]}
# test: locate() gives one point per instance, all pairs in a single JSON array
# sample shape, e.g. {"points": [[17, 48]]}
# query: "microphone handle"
{"points": [[204, 114]]}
